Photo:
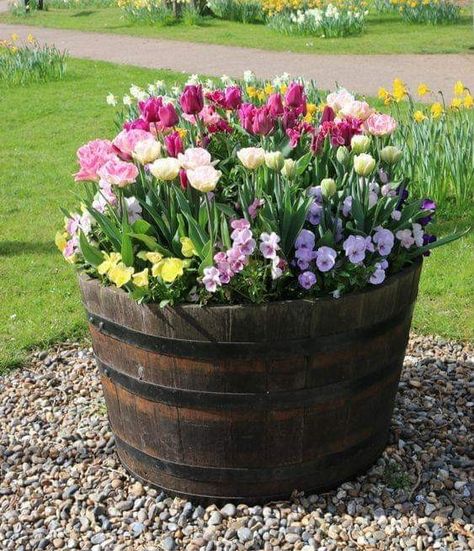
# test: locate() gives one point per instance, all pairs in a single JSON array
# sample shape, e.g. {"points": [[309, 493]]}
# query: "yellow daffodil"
{"points": [[30, 39], [419, 116], [311, 108], [120, 274], [456, 103], [384, 95], [182, 132], [111, 260], [459, 88], [423, 89], [261, 95], [468, 101], [154, 257], [436, 110], [251, 91], [399, 89], [14, 37], [283, 88], [187, 247], [140, 279], [60, 240], [268, 89]]}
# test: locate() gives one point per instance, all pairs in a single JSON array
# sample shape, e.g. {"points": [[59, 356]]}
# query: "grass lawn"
{"points": [[386, 34], [42, 126]]}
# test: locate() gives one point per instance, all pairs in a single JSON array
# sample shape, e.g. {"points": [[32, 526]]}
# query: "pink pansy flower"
{"points": [[118, 173], [211, 279], [91, 157], [269, 245], [380, 124], [126, 141], [405, 237]]}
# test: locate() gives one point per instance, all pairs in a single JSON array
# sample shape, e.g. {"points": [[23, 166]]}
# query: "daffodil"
{"points": [[251, 91], [419, 116], [436, 110], [311, 108], [423, 89], [468, 101], [140, 279], [111, 260], [399, 89], [456, 103], [120, 274], [187, 247], [459, 88], [283, 88]]}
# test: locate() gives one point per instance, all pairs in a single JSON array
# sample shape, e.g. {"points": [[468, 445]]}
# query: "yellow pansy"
{"points": [[436, 110], [251, 91], [419, 116], [456, 103], [154, 257], [423, 89], [459, 88], [120, 274], [187, 247], [468, 101], [111, 260], [140, 279], [168, 269], [60, 240]]}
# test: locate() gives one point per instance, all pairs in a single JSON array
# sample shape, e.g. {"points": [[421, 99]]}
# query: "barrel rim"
{"points": [[417, 263]]}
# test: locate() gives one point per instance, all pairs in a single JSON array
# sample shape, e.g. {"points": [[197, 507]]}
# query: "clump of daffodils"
{"points": [[245, 193]]}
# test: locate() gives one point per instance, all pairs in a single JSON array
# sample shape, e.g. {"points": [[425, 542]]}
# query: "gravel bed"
{"points": [[62, 486]]}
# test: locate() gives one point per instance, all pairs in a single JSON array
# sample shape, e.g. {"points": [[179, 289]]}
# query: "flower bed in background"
{"points": [[246, 11], [161, 12], [438, 140], [22, 62], [245, 193], [434, 12]]}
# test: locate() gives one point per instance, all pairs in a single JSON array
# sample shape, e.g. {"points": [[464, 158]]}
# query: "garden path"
{"points": [[357, 72], [3, 6]]}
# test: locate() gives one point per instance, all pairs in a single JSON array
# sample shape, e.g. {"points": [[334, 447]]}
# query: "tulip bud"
{"points": [[391, 154], [274, 160], [364, 164], [289, 168], [165, 169], [343, 155], [328, 187], [360, 143]]}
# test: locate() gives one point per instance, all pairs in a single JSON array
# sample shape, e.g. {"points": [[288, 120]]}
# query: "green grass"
{"points": [[386, 34], [42, 126]]}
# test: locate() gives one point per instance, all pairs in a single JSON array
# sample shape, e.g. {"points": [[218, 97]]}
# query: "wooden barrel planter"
{"points": [[248, 403]]}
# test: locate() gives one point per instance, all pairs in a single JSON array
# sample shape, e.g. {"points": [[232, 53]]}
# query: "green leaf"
{"points": [[127, 250], [207, 257], [439, 243], [142, 226], [91, 254], [149, 241], [303, 162]]}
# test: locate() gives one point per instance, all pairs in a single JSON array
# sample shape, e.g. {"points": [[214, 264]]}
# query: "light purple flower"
{"points": [[73, 224], [211, 279], [240, 224], [378, 276], [304, 256], [314, 213], [405, 237], [237, 260], [325, 258], [269, 245], [396, 215], [305, 240], [134, 209], [277, 267], [355, 247], [72, 246], [317, 193], [255, 207], [418, 234], [307, 280], [347, 205], [383, 240], [388, 191]]}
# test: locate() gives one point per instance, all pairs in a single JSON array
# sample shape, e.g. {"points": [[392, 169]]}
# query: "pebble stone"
{"points": [[63, 487]]}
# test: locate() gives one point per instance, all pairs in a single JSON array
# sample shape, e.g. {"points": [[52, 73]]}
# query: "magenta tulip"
{"points": [[168, 115], [275, 104], [192, 100], [246, 115], [263, 122], [174, 144], [149, 109], [233, 97], [294, 96]]}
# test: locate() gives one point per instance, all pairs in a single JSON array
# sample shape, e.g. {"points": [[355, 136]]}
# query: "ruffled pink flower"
{"points": [[209, 115], [126, 141], [380, 124], [194, 157], [357, 110], [118, 173], [92, 157]]}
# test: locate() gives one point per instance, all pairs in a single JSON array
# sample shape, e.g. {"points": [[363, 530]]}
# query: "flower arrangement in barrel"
{"points": [[245, 193]]}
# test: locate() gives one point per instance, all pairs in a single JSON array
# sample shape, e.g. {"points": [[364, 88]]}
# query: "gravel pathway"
{"points": [[358, 72], [62, 487]]}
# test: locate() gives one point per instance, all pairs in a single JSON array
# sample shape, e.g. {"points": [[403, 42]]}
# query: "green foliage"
{"points": [[244, 11]]}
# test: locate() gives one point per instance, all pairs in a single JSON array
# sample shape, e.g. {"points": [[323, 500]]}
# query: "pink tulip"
{"points": [[92, 157], [263, 122], [192, 100], [140, 124], [125, 142], [174, 144], [118, 173], [294, 96], [183, 179], [328, 114], [380, 124], [168, 116], [246, 115]]}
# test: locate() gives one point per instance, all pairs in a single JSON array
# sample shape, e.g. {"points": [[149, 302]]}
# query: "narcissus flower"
{"points": [[459, 88], [419, 116], [423, 89], [436, 110]]}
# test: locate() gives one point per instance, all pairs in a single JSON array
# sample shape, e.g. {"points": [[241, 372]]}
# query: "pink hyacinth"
{"points": [[126, 141], [380, 124], [118, 173], [92, 157]]}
